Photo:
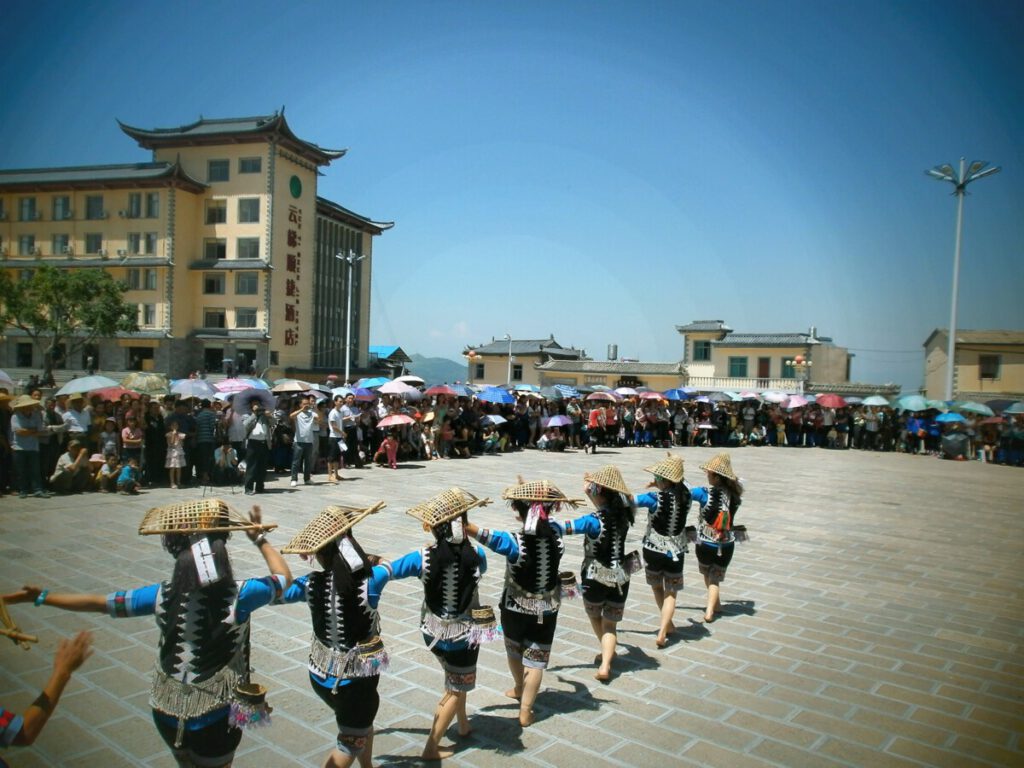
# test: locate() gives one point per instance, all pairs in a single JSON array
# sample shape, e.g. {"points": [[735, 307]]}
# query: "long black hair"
{"points": [[544, 529], [185, 577], [335, 563]]}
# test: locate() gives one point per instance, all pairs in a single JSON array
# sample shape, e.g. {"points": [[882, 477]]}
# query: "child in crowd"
{"points": [[128, 479], [106, 476], [175, 452], [388, 448], [108, 438]]}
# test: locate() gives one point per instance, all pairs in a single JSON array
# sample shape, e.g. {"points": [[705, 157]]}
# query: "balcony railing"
{"points": [[744, 383]]}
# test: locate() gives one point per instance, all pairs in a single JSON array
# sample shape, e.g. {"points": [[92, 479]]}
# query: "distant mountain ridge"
{"points": [[437, 370]]}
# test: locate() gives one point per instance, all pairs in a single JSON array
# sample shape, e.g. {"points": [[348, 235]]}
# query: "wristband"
{"points": [[260, 540], [40, 598], [43, 702]]}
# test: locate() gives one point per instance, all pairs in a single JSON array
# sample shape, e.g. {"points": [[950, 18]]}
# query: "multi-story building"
{"points": [[989, 365], [515, 361], [222, 240], [717, 358]]}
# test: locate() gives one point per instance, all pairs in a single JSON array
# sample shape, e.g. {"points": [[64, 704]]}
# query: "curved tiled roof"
{"points": [[770, 340], [704, 325], [232, 130], [99, 176], [611, 366], [332, 210]]}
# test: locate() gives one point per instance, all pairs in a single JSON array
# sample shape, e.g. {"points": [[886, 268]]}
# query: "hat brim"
{"points": [[612, 484], [429, 514], [709, 468], [202, 516], [541, 491]]}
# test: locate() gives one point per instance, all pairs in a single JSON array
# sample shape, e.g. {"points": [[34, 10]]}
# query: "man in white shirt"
{"points": [[305, 418], [77, 416], [350, 414], [336, 439]]}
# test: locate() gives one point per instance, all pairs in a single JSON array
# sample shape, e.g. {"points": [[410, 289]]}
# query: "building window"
{"points": [[216, 211], [248, 210], [215, 249], [702, 351], [23, 354], [250, 164], [788, 370], [245, 317], [134, 243], [134, 205], [61, 245], [133, 280], [140, 358], [152, 205], [3, 210], [217, 170], [248, 248], [213, 318], [61, 208], [988, 366], [93, 242], [213, 282], [737, 367], [147, 315], [24, 275], [27, 209], [478, 370], [247, 283], [94, 207], [517, 372], [26, 245], [149, 243], [149, 283]]}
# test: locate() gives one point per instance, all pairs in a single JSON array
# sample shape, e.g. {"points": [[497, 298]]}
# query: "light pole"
{"points": [[351, 258], [959, 181], [802, 368], [508, 377]]}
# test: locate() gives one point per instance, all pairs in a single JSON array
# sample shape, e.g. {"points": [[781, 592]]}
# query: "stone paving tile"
{"points": [[841, 644]]}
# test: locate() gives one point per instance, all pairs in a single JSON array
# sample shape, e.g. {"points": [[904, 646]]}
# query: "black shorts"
{"points": [[603, 601], [355, 704], [526, 639], [211, 745], [459, 665], [714, 561], [334, 452]]}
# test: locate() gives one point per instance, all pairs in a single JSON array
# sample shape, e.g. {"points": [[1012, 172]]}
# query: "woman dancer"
{"points": [[347, 655], [203, 617], [604, 575], [716, 541], [450, 569], [665, 538], [533, 594]]}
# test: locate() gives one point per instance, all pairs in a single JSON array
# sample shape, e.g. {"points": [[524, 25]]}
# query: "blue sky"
{"points": [[599, 171]]}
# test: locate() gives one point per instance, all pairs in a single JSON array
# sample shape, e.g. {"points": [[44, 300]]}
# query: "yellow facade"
{"points": [[989, 365]]}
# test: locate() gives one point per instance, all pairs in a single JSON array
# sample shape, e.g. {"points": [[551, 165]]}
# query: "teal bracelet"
{"points": [[41, 598]]}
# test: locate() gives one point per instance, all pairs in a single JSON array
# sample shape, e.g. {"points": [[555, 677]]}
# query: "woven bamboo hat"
{"points": [[538, 490], [26, 401], [445, 506], [670, 468], [720, 465], [334, 521], [195, 516], [608, 477]]}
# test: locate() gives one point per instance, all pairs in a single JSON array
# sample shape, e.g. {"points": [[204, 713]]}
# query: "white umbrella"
{"points": [[409, 378], [875, 400], [197, 388], [290, 385], [795, 401], [86, 384], [396, 388], [6, 380], [773, 396]]}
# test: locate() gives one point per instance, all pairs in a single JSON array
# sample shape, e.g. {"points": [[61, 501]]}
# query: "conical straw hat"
{"points": [[720, 465], [195, 516], [670, 468], [332, 522], [445, 506], [538, 490], [609, 477]]}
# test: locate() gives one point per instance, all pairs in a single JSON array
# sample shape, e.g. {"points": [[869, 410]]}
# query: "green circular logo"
{"points": [[295, 185]]}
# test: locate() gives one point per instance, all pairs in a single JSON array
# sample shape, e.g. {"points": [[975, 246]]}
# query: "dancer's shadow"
{"points": [[739, 608], [689, 633]]}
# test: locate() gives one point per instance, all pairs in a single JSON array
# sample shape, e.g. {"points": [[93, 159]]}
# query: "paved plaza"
{"points": [[875, 618]]}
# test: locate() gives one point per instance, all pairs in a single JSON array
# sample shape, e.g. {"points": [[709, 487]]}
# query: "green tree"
{"points": [[73, 307]]}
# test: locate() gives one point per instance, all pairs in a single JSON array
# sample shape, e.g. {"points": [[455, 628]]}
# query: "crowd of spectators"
{"points": [[137, 442]]}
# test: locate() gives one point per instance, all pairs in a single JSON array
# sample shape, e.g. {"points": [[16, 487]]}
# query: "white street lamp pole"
{"points": [[959, 181], [350, 258], [508, 377]]}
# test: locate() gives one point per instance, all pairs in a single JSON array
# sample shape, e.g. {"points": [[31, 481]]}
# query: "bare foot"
{"points": [[603, 675], [661, 641], [525, 717], [708, 618], [441, 753], [514, 693], [465, 733]]}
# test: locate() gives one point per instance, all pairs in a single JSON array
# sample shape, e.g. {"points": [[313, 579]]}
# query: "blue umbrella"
{"points": [[462, 390], [370, 383], [1017, 407], [198, 388], [950, 418], [910, 403], [526, 388], [972, 407], [676, 394], [552, 393], [495, 395], [242, 401], [567, 391]]}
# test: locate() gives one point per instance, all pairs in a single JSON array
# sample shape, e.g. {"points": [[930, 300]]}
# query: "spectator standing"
{"points": [[206, 441], [26, 428], [132, 437], [259, 433], [304, 418]]}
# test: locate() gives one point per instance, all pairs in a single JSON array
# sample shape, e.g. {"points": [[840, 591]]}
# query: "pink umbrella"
{"points": [[651, 396], [795, 401], [396, 388], [830, 401], [233, 385], [602, 396], [750, 395], [625, 391], [441, 389], [557, 421], [394, 420]]}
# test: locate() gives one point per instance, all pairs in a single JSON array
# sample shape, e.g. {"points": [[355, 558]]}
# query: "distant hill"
{"points": [[437, 370]]}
